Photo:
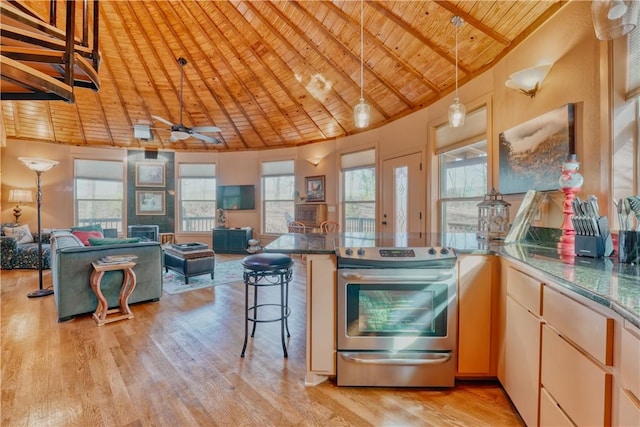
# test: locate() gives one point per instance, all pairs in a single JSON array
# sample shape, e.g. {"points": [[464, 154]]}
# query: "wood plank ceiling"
{"points": [[270, 74]]}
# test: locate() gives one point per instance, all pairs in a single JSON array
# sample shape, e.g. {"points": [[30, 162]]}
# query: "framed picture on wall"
{"points": [[150, 203], [149, 174], [314, 186], [531, 154]]}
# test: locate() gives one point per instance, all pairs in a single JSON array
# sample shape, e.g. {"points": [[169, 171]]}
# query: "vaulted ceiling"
{"points": [[269, 74]]}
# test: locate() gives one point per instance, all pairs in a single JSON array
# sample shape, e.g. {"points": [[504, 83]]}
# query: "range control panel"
{"points": [[399, 254]]}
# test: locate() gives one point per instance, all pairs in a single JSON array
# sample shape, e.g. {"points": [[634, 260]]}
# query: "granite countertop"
{"points": [[603, 280]]}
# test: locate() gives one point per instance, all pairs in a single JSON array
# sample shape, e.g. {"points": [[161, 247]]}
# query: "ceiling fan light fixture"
{"points": [[362, 110], [457, 110], [178, 134]]}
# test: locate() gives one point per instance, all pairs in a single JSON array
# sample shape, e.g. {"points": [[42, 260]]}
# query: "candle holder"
{"points": [[570, 183]]}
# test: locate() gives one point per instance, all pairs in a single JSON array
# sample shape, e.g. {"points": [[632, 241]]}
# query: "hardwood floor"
{"points": [[177, 363]]}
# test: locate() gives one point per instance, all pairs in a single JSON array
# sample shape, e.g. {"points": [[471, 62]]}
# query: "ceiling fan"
{"points": [[180, 131]]}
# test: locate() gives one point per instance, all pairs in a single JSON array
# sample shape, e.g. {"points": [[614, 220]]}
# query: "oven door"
{"points": [[396, 309]]}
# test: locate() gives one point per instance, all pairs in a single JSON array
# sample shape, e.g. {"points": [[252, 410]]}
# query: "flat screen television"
{"points": [[236, 197]]}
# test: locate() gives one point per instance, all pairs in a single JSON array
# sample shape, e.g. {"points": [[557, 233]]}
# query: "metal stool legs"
{"points": [[256, 278]]}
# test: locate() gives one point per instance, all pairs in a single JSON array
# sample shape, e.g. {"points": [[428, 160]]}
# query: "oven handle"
{"points": [[364, 277], [433, 359]]}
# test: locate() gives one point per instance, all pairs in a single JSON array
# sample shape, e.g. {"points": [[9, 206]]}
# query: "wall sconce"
{"points": [[528, 81], [19, 197], [315, 161]]}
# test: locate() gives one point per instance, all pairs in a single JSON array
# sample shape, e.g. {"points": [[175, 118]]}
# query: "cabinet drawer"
{"points": [[550, 414], [590, 330], [630, 360], [576, 383], [525, 289], [628, 410]]}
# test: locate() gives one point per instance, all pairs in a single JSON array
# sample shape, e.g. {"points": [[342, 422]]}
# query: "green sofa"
{"points": [[71, 269]]}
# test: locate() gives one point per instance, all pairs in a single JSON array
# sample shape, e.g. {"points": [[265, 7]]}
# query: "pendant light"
{"points": [[362, 110], [456, 110]]}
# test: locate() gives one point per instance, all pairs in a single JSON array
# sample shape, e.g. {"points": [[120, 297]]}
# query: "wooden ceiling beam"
{"points": [[283, 63], [356, 58], [388, 52], [469, 19]]}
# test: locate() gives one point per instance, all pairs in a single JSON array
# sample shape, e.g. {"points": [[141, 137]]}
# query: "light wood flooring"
{"points": [[177, 363]]}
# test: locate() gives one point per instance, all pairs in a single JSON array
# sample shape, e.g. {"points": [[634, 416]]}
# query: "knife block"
{"points": [[595, 246]]}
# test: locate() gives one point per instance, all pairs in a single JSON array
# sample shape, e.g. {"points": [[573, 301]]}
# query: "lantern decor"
{"points": [[493, 217], [570, 182]]}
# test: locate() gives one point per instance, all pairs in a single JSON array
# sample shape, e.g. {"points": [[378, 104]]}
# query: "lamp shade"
{"points": [[38, 165], [528, 80], [20, 196]]}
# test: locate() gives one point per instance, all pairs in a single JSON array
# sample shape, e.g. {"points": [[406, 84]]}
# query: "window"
{"points": [[463, 177], [99, 189], [197, 196], [626, 118], [278, 199], [359, 191]]}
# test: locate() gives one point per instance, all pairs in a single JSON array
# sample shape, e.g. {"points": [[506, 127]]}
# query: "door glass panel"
{"points": [[401, 205]]}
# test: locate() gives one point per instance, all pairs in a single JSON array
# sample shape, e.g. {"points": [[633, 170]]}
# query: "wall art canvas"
{"points": [[149, 174], [150, 203], [531, 154], [315, 188]]}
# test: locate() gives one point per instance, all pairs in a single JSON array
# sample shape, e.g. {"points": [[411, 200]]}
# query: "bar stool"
{"points": [[263, 270]]}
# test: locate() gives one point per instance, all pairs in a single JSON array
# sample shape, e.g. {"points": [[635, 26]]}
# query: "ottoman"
{"points": [[189, 262]]}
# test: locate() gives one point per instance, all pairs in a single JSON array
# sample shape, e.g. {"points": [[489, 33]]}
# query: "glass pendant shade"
{"points": [[362, 114], [456, 114]]}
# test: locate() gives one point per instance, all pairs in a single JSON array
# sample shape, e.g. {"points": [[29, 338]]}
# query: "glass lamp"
{"points": [[493, 217]]}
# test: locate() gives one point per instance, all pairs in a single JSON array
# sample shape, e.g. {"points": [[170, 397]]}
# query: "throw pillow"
{"points": [[112, 241], [85, 235], [92, 227], [21, 233]]}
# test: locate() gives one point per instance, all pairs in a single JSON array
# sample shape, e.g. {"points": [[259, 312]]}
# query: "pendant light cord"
{"points": [[361, 49], [456, 22]]}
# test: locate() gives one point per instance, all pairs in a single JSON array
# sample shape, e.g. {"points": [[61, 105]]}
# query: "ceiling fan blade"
{"points": [[206, 138], [206, 129], [160, 119]]}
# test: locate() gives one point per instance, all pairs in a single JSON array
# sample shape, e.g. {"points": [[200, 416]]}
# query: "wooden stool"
{"points": [[128, 285]]}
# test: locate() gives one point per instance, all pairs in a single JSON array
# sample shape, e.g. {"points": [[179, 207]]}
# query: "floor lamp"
{"points": [[39, 166]]}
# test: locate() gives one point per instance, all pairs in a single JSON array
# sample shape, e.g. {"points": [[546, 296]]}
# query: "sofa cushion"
{"points": [[85, 235], [93, 241], [66, 240], [21, 233]]}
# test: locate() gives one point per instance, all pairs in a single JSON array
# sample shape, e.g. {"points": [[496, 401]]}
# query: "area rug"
{"points": [[225, 273]]}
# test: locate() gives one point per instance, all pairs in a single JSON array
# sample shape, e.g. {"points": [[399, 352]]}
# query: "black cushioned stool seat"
{"points": [[263, 270]]}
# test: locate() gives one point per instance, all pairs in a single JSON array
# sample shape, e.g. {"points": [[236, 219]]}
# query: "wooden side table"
{"points": [[167, 238], [128, 285]]}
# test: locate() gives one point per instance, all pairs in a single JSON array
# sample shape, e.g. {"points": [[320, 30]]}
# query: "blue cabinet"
{"points": [[231, 240]]}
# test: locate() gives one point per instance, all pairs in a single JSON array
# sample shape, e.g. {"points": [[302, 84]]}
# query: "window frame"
{"points": [[180, 199], [118, 225], [264, 201]]}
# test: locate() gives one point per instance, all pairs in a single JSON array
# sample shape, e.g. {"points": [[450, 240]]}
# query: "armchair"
{"points": [[23, 255]]}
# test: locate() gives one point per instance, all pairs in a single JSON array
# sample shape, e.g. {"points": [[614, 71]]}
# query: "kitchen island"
{"points": [[538, 321]]}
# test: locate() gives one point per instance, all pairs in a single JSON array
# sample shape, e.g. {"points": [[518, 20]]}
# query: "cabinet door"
{"points": [[220, 240], [321, 328], [522, 360], [550, 413], [579, 385], [238, 241], [474, 315]]}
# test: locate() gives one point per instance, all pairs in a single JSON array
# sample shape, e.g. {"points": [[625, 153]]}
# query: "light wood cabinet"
{"points": [[581, 387], [321, 318], [628, 404], [475, 306], [522, 343], [550, 413]]}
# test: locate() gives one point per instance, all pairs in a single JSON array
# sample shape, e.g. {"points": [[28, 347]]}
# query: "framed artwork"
{"points": [[531, 154], [150, 203], [315, 188], [149, 174]]}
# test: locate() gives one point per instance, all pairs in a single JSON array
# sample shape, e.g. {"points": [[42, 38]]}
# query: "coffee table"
{"points": [[189, 259]]}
